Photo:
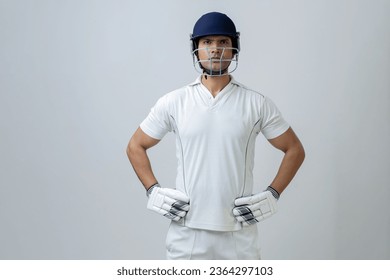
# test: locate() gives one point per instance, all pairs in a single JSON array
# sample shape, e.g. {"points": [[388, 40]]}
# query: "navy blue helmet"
{"points": [[215, 23]]}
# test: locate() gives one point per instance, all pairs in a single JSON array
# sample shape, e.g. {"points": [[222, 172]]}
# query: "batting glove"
{"points": [[170, 203], [255, 208]]}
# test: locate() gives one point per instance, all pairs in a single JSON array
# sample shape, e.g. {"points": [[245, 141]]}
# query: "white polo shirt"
{"points": [[215, 144]]}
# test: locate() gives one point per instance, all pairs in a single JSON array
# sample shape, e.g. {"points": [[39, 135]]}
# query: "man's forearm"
{"points": [[289, 166], [141, 164]]}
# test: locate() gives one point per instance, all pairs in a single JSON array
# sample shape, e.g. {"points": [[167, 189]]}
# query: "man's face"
{"points": [[215, 52]]}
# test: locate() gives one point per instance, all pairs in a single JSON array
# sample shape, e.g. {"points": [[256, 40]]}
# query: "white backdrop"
{"points": [[77, 77]]}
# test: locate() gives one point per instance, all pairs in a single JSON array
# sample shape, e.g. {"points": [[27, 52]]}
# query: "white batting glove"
{"points": [[255, 208], [170, 203]]}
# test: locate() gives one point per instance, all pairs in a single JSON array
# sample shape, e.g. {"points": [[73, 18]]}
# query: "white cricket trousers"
{"points": [[185, 243]]}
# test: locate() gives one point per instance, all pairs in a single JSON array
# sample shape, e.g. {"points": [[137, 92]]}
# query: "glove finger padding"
{"points": [[252, 209], [173, 210], [179, 204], [170, 203]]}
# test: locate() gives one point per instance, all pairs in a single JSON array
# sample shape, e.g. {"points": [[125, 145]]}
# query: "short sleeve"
{"points": [[273, 123], [157, 123]]}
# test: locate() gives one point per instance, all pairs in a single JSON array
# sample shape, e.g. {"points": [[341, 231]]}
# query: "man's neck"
{"points": [[215, 83]]}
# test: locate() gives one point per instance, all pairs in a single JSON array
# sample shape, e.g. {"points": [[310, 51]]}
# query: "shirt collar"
{"points": [[199, 81]]}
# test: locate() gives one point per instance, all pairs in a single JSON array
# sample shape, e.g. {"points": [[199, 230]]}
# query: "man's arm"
{"points": [[170, 203], [136, 151], [294, 155]]}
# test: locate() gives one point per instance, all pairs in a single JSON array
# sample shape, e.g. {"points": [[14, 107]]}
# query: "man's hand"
{"points": [[255, 208], [170, 203]]}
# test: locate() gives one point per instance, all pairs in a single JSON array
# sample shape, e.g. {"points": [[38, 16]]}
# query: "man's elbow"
{"points": [[300, 153], [296, 153], [131, 148]]}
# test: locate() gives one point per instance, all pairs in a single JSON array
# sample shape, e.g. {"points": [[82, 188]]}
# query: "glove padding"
{"points": [[170, 203], [255, 208]]}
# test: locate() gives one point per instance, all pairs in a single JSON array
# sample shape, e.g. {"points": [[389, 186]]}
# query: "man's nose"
{"points": [[215, 48]]}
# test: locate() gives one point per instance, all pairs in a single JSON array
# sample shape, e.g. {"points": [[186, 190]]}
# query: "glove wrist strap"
{"points": [[150, 189], [274, 192]]}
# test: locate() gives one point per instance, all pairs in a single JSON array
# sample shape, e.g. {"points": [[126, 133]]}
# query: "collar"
{"points": [[199, 81]]}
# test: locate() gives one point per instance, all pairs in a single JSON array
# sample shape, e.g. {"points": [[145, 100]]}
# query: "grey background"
{"points": [[77, 77]]}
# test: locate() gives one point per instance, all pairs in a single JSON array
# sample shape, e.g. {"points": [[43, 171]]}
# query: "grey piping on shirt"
{"points": [[246, 156], [181, 148]]}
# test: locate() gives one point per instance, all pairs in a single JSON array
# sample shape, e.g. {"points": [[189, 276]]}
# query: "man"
{"points": [[216, 121]]}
